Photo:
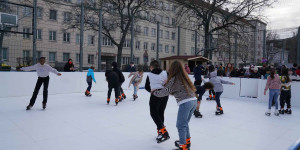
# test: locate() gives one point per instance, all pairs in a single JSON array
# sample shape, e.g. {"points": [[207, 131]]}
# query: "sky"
{"points": [[283, 14]]}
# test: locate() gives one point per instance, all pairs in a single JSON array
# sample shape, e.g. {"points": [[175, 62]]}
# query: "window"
{"points": [[173, 35], [153, 17], [193, 37], [26, 53], [66, 57], [138, 29], [67, 1], [4, 54], [26, 30], [173, 21], [125, 60], [39, 34], [173, 49], [167, 35], [137, 45], [77, 58], [153, 46], [193, 50], [106, 41], [26, 11], [160, 47], [90, 59], [91, 40], [38, 54], [137, 60], [161, 5], [67, 37], [147, 16], [153, 32], [53, 14], [67, 16], [174, 8], [146, 31], [52, 35], [77, 38], [126, 44], [167, 48], [145, 45], [160, 33], [160, 18], [39, 12], [52, 56], [167, 20]]}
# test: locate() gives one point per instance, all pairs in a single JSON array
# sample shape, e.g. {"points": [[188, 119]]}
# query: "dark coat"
{"points": [[197, 72], [112, 78], [255, 75], [68, 66], [120, 74], [200, 91]]}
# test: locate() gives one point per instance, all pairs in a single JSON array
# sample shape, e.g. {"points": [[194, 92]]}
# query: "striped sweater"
{"points": [[175, 88]]}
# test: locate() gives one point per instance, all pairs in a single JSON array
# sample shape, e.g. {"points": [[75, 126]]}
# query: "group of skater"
{"points": [[176, 82]]}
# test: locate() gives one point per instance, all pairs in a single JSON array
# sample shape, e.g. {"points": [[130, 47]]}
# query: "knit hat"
{"points": [[114, 64]]}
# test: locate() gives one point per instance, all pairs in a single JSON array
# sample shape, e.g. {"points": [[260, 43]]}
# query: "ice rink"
{"points": [[76, 122]]}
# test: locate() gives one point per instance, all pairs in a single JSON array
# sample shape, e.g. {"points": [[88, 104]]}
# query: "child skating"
{"points": [[274, 85], [218, 88], [156, 80], [136, 79], [199, 93], [285, 96], [89, 79], [113, 83], [42, 70], [212, 93], [116, 69], [180, 86]]}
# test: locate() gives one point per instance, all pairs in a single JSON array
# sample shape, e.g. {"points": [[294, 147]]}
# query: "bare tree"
{"points": [[214, 15], [271, 50]]}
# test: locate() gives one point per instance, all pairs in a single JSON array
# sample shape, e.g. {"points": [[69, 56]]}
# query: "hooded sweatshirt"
{"points": [[156, 79], [217, 82], [90, 76]]}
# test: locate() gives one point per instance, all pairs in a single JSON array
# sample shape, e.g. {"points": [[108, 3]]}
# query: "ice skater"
{"points": [[156, 80], [136, 79], [113, 83], [89, 79], [218, 88], [212, 93], [42, 70], [121, 79], [274, 84], [199, 93], [285, 96], [181, 87]]}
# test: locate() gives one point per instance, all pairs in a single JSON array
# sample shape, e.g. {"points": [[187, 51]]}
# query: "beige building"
{"points": [[58, 44]]}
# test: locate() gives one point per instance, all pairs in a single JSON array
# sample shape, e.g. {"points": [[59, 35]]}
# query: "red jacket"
{"points": [[298, 72]]}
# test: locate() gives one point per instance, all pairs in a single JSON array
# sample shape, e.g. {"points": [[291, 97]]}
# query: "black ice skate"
{"points": [[197, 114], [163, 136], [135, 97], [28, 107], [288, 111], [219, 111], [44, 106], [117, 101], [188, 143], [281, 111], [108, 100]]}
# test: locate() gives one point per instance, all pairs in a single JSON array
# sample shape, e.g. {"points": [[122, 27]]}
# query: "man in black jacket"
{"points": [[121, 79], [113, 83]]}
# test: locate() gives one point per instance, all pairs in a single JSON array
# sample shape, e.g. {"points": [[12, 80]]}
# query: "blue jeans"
{"points": [[273, 93], [134, 88], [218, 101], [184, 115]]}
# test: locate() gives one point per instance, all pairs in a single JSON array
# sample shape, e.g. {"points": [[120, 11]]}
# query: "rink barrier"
{"points": [[16, 84], [295, 146]]}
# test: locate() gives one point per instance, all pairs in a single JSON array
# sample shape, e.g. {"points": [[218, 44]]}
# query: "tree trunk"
{"points": [[119, 56], [206, 42]]}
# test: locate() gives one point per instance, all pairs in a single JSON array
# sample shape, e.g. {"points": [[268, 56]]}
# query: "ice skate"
{"points": [[188, 143], [120, 98], [197, 114], [268, 113], [28, 107], [163, 136], [117, 101], [108, 100], [87, 93], [183, 147], [135, 97], [276, 113], [281, 111], [44, 106], [219, 111], [288, 111]]}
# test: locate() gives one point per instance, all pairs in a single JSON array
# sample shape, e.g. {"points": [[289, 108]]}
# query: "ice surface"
{"points": [[76, 122]]}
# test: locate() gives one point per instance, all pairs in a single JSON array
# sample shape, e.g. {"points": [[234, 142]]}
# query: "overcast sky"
{"points": [[283, 14]]}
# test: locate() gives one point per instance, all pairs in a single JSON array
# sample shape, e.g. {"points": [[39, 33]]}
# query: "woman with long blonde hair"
{"points": [[180, 86]]}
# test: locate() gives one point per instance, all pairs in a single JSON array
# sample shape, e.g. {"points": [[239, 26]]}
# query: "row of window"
{"points": [[154, 31]]}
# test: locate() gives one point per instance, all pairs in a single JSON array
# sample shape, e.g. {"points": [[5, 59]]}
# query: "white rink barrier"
{"points": [[15, 84]]}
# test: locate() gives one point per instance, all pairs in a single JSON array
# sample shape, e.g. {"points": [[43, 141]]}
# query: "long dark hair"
{"points": [[176, 70], [272, 73], [285, 73]]}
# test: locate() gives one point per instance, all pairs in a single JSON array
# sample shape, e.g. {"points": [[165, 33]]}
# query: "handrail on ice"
{"points": [[295, 146]]}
